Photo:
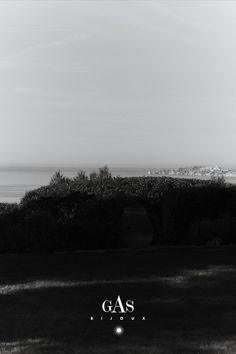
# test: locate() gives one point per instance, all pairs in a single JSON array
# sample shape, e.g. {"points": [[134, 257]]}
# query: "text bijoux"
{"points": [[118, 307]]}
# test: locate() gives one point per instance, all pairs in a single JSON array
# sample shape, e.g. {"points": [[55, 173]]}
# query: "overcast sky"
{"points": [[123, 83]]}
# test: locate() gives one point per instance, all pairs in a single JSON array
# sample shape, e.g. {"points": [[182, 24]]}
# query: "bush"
{"points": [[84, 212], [204, 231], [40, 230], [95, 234]]}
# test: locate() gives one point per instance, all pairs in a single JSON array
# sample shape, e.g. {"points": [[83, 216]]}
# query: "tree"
{"points": [[104, 173], [58, 178], [81, 176], [93, 176], [218, 179]]}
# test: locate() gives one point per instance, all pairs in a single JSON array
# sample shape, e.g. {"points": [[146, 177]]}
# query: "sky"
{"points": [[122, 83]]}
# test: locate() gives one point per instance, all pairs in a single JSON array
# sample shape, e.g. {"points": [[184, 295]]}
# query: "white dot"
{"points": [[118, 330]]}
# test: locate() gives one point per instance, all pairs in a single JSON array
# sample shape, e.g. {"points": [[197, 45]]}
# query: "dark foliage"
{"points": [[84, 212]]}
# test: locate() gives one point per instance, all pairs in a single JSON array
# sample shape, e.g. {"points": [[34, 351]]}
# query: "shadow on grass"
{"points": [[189, 304]]}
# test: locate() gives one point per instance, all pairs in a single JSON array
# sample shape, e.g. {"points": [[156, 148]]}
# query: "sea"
{"points": [[16, 181]]}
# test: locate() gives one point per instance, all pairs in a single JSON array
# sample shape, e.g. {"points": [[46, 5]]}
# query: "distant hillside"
{"points": [[195, 171]]}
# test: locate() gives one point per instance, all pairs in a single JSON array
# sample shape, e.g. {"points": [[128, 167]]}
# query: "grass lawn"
{"points": [[188, 296]]}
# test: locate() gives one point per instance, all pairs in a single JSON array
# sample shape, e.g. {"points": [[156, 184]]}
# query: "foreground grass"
{"points": [[188, 296]]}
